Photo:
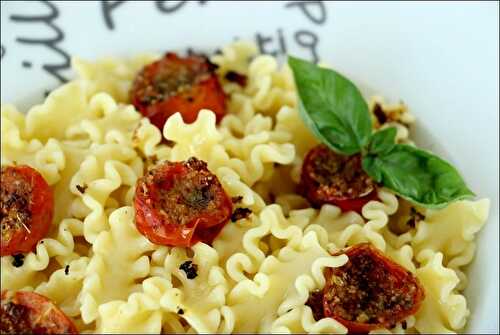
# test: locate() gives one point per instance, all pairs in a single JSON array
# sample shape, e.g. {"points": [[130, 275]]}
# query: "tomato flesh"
{"points": [[174, 84], [31, 313], [330, 178], [315, 302], [370, 291], [181, 203], [27, 209]]}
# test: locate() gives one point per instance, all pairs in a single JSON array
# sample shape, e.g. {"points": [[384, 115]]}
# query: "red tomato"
{"points": [[370, 291], [32, 313], [181, 203], [27, 208], [173, 84], [330, 178]]}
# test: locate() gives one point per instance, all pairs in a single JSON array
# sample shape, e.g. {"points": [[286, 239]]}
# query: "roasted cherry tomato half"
{"points": [[27, 208], [31, 313], [370, 291], [315, 302], [181, 203], [174, 84], [330, 178]]}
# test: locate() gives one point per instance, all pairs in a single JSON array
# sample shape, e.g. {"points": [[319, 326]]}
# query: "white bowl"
{"points": [[440, 58]]}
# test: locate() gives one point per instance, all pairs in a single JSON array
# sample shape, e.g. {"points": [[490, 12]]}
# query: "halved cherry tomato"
{"points": [[315, 302], [27, 208], [181, 203], [370, 291], [173, 84], [31, 313], [330, 178]]}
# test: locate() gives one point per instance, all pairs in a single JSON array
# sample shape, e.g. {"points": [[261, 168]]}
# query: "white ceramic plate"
{"points": [[440, 58]]}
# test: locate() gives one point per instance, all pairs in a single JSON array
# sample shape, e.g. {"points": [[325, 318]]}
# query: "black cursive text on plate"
{"points": [[308, 7], [164, 7], [273, 43], [277, 43], [52, 43]]}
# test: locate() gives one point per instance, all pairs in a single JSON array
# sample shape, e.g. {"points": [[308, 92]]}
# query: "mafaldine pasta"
{"points": [[170, 194]]}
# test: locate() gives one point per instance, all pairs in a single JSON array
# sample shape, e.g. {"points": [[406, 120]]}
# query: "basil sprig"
{"points": [[335, 111]]}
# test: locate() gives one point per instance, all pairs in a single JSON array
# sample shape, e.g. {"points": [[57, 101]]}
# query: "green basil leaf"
{"points": [[417, 176], [370, 165], [382, 141], [332, 107]]}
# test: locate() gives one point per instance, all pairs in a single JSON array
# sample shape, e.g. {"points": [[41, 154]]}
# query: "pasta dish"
{"points": [[186, 194]]}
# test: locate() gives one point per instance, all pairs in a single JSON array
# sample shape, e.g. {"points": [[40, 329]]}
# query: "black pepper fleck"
{"points": [[236, 77], [190, 269], [415, 217], [240, 213], [81, 189], [180, 311], [66, 270], [153, 159], [237, 199], [190, 52], [168, 143], [18, 260], [379, 114]]}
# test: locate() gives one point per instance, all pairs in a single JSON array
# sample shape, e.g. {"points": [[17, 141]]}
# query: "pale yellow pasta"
{"points": [[443, 310], [169, 291], [272, 283], [230, 239], [111, 75], [294, 314], [91, 146], [235, 56], [451, 231], [203, 139], [18, 148], [271, 221], [202, 298], [397, 113], [269, 86], [77, 160], [114, 269], [146, 139], [60, 246], [64, 285], [140, 313], [64, 107]]}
